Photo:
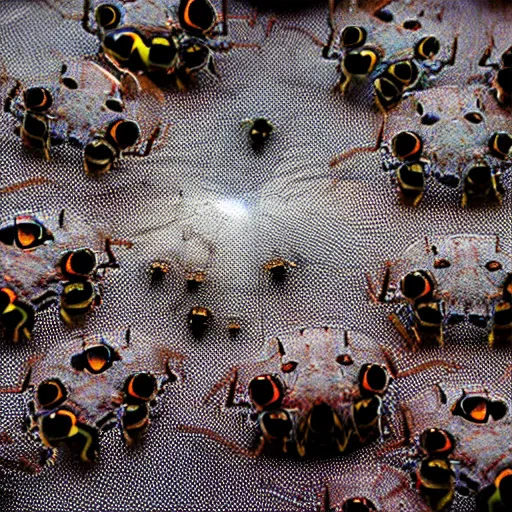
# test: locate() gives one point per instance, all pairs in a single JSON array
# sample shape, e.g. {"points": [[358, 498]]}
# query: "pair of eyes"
{"points": [[430, 118], [491, 266]]}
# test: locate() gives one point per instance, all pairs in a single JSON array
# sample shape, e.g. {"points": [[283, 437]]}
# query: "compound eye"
{"points": [[141, 386], [435, 441], [98, 359], [358, 505], [415, 285], [196, 16], [59, 425], [405, 71], [472, 408], [51, 393], [503, 482], [500, 144], [125, 133], [373, 379], [276, 424], [107, 16], [37, 99], [407, 146], [266, 391], [427, 47], [80, 262], [353, 36], [121, 44], [31, 234]]}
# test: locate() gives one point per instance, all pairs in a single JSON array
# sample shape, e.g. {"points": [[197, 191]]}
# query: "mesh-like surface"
{"points": [[205, 200]]}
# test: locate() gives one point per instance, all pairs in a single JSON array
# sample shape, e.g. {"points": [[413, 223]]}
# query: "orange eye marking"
{"points": [[69, 414], [68, 266], [130, 389], [186, 15], [366, 384], [502, 475], [114, 129], [479, 413], [95, 362], [10, 294], [25, 238]]}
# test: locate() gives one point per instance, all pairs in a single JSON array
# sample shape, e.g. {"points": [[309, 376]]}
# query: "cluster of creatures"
{"points": [[321, 392]]}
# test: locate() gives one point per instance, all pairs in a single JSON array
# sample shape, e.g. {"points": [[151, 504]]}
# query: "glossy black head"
{"points": [[373, 379], [194, 54], [196, 17], [95, 359], [260, 131], [78, 263], [140, 387], [427, 48], [353, 37], [108, 16], [403, 73], [360, 62], [387, 92], [37, 99], [266, 392], [435, 441], [322, 420], [78, 296], [51, 393], [276, 424], [411, 178], [407, 146], [99, 155]]}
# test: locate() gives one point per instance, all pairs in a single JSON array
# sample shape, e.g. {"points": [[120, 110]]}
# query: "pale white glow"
{"points": [[233, 207]]}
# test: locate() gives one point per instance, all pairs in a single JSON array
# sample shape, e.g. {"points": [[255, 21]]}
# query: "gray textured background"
{"points": [[336, 224]]}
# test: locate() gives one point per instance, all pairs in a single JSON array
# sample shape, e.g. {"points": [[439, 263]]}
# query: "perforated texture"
{"points": [[205, 200]]}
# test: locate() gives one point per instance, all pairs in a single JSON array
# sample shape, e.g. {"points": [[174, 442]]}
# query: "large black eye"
{"points": [[58, 425], [196, 16], [99, 151], [429, 119], [107, 16], [124, 133], [31, 234], [373, 379], [427, 47], [358, 505], [114, 105], [472, 408], [411, 25], [141, 386], [266, 391], [51, 393], [407, 146], [353, 36], [500, 144], [416, 284], [95, 359], [503, 483], [384, 15], [435, 441], [80, 262], [406, 72], [37, 99], [277, 424]]}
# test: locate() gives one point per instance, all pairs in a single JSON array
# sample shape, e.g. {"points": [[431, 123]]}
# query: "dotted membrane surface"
{"points": [[205, 200]]}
